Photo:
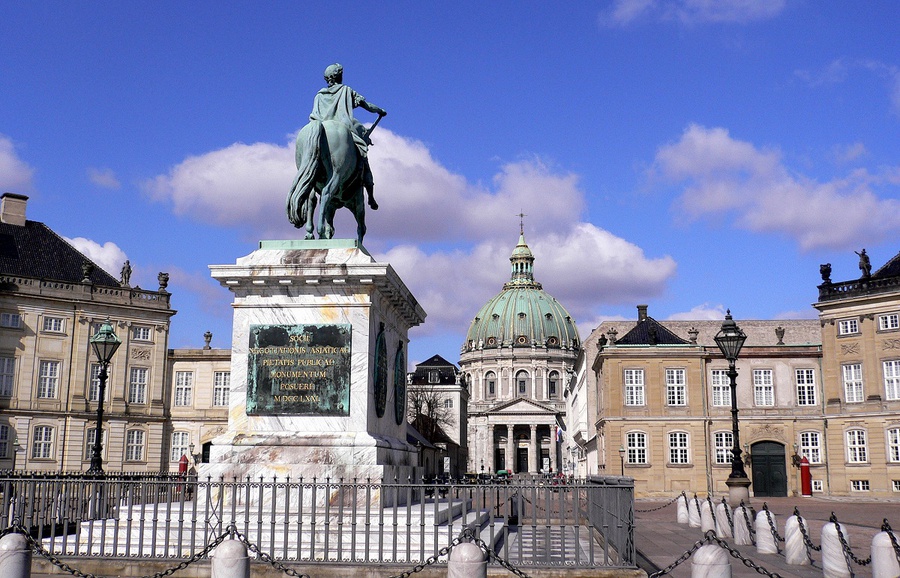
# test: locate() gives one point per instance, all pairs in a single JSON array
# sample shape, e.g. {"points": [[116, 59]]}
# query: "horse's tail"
{"points": [[307, 155]]}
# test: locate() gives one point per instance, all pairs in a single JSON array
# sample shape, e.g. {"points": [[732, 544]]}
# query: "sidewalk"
{"points": [[660, 540]]}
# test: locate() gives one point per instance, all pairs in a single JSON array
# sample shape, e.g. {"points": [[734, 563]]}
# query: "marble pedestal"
{"points": [[302, 289]]}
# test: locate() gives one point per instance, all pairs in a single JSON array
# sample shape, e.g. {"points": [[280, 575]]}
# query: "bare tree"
{"points": [[428, 411]]}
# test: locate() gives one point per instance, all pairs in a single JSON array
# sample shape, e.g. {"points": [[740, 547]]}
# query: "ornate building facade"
{"points": [[519, 352]]}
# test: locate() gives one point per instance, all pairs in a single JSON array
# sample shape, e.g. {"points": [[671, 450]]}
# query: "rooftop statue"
{"points": [[332, 160]]}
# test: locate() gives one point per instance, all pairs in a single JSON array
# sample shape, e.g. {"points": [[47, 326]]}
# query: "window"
{"points": [[491, 381], [678, 448], [134, 446], [676, 391], [137, 386], [13, 320], [48, 380], [184, 386], [853, 384], [42, 444], [818, 486], [806, 386], [448, 403], [94, 385], [551, 387], [721, 388], [7, 375], [522, 383], [895, 484], [434, 376], [893, 449], [89, 439], [811, 446], [139, 333], [889, 322], [180, 443], [856, 446], [53, 324], [891, 379], [636, 448], [724, 442], [634, 387], [763, 389], [859, 485], [4, 441], [848, 326], [221, 388]]}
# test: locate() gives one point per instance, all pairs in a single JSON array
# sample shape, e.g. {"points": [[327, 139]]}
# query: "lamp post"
{"points": [[104, 343], [622, 458], [730, 339]]}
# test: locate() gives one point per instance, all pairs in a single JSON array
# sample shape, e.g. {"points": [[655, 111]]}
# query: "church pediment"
{"points": [[521, 406]]}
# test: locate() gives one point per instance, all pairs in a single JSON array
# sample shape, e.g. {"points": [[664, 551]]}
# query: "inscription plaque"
{"points": [[299, 370]]}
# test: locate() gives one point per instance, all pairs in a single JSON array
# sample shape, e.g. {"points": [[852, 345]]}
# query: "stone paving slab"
{"points": [[660, 540]]}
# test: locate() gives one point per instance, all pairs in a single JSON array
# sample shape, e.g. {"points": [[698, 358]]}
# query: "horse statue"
{"points": [[332, 164]]}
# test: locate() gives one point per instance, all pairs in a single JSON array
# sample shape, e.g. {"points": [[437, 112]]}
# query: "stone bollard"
{"points": [[741, 529], [884, 560], [795, 551], [710, 561], [707, 522], [694, 512], [467, 561], [723, 528], [230, 560], [681, 508], [834, 564], [765, 541], [15, 556]]}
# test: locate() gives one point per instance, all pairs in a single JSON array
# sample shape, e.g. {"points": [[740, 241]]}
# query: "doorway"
{"points": [[521, 460], [769, 469]]}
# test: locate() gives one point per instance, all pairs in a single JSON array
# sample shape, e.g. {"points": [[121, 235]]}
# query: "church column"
{"points": [[489, 465], [533, 455], [553, 444], [510, 449]]}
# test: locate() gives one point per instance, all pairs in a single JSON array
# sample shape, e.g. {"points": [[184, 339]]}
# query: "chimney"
{"points": [[642, 312], [12, 209]]}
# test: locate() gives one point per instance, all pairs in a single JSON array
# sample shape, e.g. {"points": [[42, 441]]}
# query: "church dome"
{"points": [[522, 314]]}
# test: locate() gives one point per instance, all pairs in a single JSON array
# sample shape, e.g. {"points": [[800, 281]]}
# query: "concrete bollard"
{"points": [[707, 522], [723, 528], [230, 560], [794, 545], [765, 541], [467, 561], [710, 561], [834, 565], [681, 509], [741, 529], [694, 512], [15, 557], [884, 560]]}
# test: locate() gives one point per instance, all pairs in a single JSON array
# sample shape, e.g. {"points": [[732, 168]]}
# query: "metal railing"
{"points": [[585, 523]]}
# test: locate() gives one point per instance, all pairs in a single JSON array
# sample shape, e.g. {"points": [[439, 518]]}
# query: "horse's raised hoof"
{"points": [[372, 204]]}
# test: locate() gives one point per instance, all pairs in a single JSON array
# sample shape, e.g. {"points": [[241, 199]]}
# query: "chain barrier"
{"points": [[39, 549], [267, 558], [751, 528], [846, 547], [712, 510], [806, 539], [885, 527], [666, 505], [728, 515], [494, 557], [778, 538], [711, 538]]}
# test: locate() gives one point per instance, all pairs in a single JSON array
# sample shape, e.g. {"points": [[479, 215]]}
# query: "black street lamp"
{"points": [[104, 343], [730, 339], [622, 458]]}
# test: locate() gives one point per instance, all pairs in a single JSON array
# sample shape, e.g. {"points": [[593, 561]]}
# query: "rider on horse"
{"points": [[336, 102]]}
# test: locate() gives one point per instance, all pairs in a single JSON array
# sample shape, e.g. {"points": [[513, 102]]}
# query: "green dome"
{"points": [[523, 314]]}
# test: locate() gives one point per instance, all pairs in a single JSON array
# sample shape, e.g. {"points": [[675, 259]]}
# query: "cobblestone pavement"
{"points": [[660, 540]]}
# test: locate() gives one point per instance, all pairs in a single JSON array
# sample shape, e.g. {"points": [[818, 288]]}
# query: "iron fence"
{"points": [[584, 523]]}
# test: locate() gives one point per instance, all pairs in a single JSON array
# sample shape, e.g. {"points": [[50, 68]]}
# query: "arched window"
{"points": [[490, 385], [134, 445], [636, 447], [723, 442], [523, 384], [553, 385], [679, 450]]}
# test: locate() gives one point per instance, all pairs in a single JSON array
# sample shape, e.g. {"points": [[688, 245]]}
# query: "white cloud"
{"points": [[104, 177], [15, 174], [704, 311], [725, 176], [847, 153], [693, 11], [108, 255], [838, 71]]}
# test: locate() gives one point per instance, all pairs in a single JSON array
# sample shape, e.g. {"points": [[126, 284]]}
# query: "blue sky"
{"points": [[693, 155]]}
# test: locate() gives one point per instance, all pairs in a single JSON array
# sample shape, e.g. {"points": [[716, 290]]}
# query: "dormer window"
{"points": [[434, 376]]}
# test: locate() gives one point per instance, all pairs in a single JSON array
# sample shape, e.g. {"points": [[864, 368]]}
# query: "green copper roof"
{"points": [[523, 314]]}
